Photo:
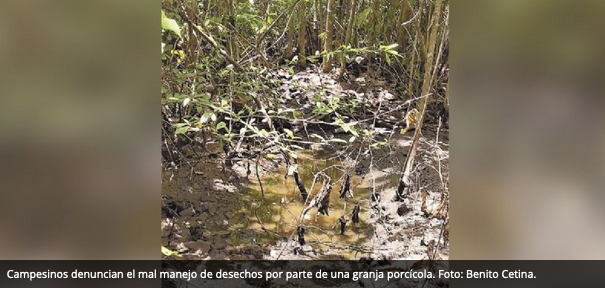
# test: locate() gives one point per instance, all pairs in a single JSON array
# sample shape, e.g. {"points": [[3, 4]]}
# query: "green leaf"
{"points": [[168, 252], [289, 133], [337, 140], [221, 125], [318, 136], [170, 24], [205, 117], [182, 130], [363, 16], [394, 52], [348, 127], [263, 133]]}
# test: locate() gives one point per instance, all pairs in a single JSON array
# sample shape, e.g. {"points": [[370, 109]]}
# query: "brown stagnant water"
{"points": [[283, 205]]}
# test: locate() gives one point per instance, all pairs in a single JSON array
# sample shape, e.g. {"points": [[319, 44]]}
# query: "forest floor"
{"points": [[210, 209]]}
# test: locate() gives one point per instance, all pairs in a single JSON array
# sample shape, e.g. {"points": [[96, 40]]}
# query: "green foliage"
{"points": [[170, 24], [248, 18], [362, 17], [204, 94], [347, 127], [389, 50], [289, 133], [326, 105]]}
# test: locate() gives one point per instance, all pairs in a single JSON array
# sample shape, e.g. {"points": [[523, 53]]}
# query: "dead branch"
{"points": [[301, 187], [346, 186], [323, 198], [343, 223], [355, 214], [222, 51], [437, 211]]}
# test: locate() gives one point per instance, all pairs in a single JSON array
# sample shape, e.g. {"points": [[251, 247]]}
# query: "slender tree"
{"points": [[316, 22], [405, 180], [412, 81], [327, 65], [374, 22], [302, 41], [347, 39], [402, 33], [290, 27]]}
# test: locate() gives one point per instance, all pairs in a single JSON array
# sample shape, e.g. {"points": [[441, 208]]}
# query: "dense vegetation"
{"points": [[264, 81]]}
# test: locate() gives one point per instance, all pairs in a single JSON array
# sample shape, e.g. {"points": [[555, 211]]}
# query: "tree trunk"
{"points": [[374, 23], [316, 24], [213, 42], [372, 34], [327, 65], [412, 84], [290, 44], [302, 60], [405, 181], [402, 34], [347, 40]]}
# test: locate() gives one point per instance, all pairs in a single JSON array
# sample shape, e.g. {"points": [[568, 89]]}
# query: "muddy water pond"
{"points": [[222, 211], [278, 207]]}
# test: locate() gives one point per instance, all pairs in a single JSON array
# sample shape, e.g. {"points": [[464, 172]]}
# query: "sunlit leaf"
{"points": [[181, 130], [168, 252], [289, 133], [221, 125], [205, 117], [318, 136], [337, 140], [170, 24], [393, 52]]}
